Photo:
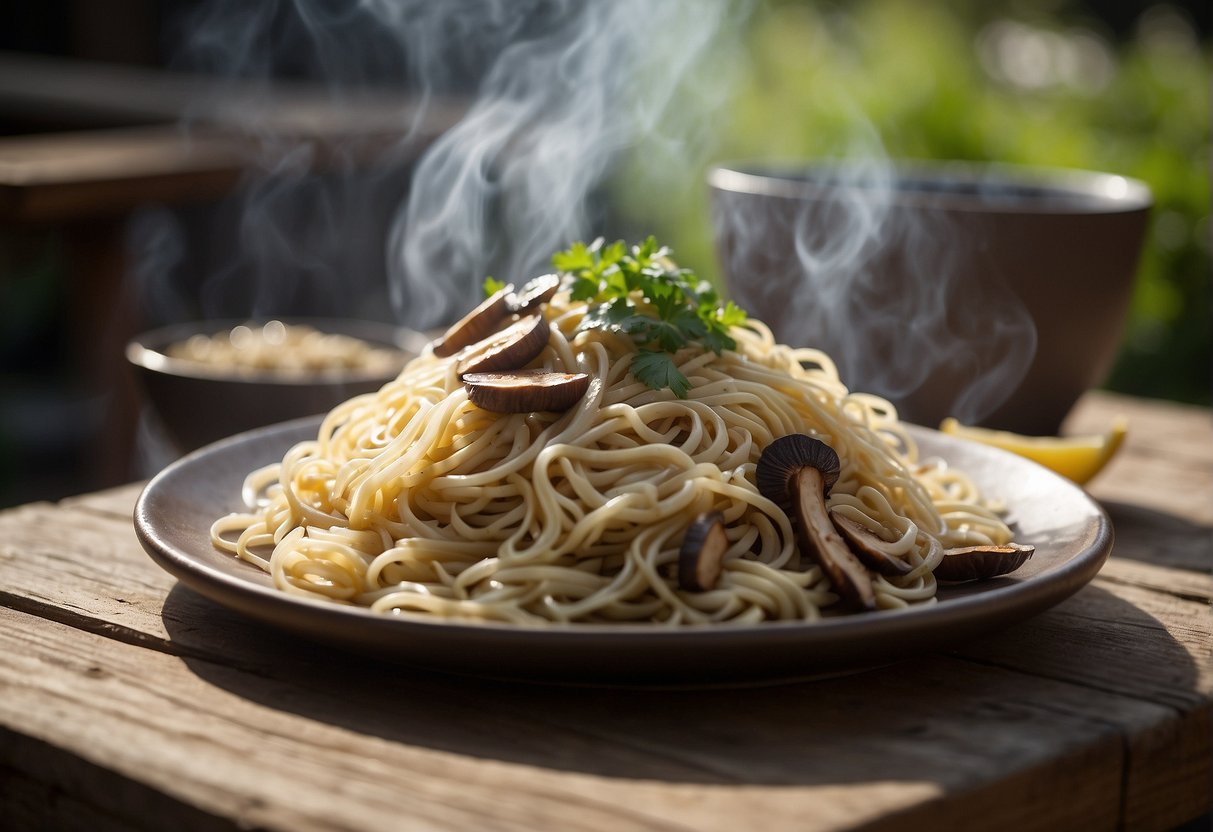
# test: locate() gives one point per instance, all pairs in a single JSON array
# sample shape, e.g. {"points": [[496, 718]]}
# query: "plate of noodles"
{"points": [[575, 484]]}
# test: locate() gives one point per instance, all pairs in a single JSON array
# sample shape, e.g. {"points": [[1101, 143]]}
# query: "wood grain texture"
{"points": [[109, 138], [67, 177], [127, 701], [534, 757], [1165, 467]]}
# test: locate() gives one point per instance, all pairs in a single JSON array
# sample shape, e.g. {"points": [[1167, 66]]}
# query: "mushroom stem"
{"points": [[850, 578]]}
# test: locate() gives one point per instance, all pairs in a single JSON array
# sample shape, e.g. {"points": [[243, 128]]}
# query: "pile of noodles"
{"points": [[413, 500]]}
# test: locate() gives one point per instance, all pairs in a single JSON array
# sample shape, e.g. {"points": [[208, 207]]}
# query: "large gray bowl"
{"points": [[996, 294], [199, 404]]}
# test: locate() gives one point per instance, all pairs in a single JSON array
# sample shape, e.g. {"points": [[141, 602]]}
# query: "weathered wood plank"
{"points": [[144, 153], [347, 743], [1166, 463], [253, 761], [1156, 537], [74, 795], [1184, 583], [1158, 488], [117, 502], [1168, 775], [82, 562], [1150, 645], [1141, 643]]}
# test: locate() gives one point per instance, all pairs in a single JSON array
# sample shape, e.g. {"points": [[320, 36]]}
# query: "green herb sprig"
{"points": [[641, 292]]}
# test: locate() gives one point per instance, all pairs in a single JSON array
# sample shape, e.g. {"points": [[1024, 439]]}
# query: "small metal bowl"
{"points": [[198, 403]]}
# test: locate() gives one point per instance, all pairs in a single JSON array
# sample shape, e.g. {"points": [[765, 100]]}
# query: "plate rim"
{"points": [[301, 614]]}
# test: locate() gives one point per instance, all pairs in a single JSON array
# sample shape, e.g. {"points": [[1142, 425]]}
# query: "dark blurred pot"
{"points": [[198, 404], [993, 293]]}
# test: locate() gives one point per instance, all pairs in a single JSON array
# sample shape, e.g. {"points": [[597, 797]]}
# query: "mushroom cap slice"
{"points": [[875, 552], [979, 563], [784, 457], [510, 349], [535, 292], [482, 321], [524, 391], [701, 558]]}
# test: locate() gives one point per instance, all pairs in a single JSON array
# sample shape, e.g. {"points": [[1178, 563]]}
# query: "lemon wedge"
{"points": [[1078, 458]]}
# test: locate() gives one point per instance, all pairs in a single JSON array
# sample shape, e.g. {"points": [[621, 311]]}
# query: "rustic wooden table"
{"points": [[127, 701]]}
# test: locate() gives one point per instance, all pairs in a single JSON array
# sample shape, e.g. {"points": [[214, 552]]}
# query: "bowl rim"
{"points": [[146, 350], [1098, 192]]}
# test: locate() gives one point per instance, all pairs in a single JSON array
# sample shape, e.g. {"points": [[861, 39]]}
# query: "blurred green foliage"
{"points": [[1027, 83]]}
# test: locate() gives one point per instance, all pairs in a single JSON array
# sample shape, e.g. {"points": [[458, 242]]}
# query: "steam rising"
{"points": [[509, 184], [898, 296], [560, 91]]}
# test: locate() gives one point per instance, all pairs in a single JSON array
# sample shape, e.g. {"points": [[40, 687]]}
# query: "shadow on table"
{"points": [[942, 718], [1156, 537]]}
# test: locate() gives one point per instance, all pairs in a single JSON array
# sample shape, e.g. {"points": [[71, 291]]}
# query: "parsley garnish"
{"points": [[642, 293], [492, 286], [657, 370]]}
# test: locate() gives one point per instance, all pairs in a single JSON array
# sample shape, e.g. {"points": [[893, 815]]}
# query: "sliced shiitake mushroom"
{"points": [[875, 552], [779, 462], [701, 558], [510, 349], [534, 293], [481, 322], [524, 391], [796, 472], [978, 563]]}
